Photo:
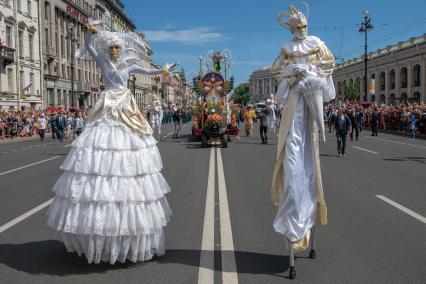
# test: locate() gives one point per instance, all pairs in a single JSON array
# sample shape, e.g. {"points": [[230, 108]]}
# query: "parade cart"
{"points": [[211, 123]]}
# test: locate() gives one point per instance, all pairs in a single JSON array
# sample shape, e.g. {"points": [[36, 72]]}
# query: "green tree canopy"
{"points": [[242, 94], [352, 92]]}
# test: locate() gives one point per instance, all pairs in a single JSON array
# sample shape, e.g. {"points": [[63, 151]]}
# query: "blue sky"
{"points": [[181, 30]]}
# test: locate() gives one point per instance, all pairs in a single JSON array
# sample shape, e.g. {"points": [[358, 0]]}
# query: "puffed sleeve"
{"points": [[326, 61], [279, 64]]}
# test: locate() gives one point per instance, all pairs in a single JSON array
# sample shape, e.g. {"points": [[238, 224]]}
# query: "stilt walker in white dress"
{"points": [[156, 117], [303, 67], [110, 201]]}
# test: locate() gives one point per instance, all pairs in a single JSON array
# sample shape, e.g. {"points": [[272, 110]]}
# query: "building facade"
{"points": [[396, 73], [262, 84], [68, 82], [20, 64]]}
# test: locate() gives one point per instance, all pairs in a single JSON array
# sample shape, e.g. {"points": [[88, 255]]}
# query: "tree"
{"points": [[242, 94], [352, 92]]}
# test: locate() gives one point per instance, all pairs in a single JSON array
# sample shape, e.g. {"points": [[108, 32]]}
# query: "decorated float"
{"points": [[215, 117]]}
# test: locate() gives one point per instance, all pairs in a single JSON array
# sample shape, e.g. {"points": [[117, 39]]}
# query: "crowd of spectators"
{"points": [[404, 117], [28, 123]]}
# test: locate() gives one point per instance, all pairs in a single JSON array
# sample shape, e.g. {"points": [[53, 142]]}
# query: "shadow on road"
{"points": [[50, 257], [247, 262]]}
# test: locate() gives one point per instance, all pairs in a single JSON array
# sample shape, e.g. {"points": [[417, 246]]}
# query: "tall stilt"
{"points": [[292, 271], [312, 253]]}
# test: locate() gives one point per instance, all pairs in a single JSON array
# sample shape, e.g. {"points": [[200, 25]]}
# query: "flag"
{"points": [[27, 86]]}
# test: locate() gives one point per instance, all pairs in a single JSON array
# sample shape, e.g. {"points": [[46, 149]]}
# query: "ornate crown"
{"points": [[294, 19]]}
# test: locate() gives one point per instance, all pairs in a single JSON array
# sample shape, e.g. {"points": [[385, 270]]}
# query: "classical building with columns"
{"points": [[20, 64], [262, 84], [395, 73]]}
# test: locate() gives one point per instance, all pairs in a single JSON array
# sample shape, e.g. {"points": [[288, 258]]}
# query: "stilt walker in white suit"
{"points": [[303, 67], [156, 117]]}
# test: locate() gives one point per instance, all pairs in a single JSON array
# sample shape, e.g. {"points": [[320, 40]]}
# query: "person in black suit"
{"points": [[342, 126], [61, 125], [374, 121], [354, 124]]}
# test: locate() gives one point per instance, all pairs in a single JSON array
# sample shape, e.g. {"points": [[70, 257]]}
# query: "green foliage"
{"points": [[242, 94], [353, 93]]}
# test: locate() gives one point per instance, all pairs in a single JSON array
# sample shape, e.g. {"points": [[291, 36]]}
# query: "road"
{"points": [[221, 230]]}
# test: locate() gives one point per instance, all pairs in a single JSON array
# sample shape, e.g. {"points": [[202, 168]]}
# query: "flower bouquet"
{"points": [[215, 121]]}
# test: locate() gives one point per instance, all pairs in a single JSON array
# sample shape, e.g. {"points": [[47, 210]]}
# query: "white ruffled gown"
{"points": [[110, 201]]}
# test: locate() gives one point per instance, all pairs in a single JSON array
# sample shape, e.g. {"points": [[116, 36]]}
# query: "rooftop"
{"points": [[384, 51]]}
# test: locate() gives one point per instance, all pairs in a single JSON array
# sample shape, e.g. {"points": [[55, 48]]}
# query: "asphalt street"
{"points": [[221, 230]]}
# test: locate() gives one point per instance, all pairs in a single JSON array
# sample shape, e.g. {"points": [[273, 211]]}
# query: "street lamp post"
{"points": [[72, 39], [365, 26]]}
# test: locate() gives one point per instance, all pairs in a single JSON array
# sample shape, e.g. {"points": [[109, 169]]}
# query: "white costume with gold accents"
{"points": [[110, 201], [304, 68]]}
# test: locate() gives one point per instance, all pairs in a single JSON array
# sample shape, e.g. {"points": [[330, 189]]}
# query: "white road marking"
{"points": [[14, 150], [206, 269], [365, 150], [29, 165], [25, 216], [402, 143], [69, 145], [402, 208], [229, 266], [38, 145], [5, 152], [167, 135]]}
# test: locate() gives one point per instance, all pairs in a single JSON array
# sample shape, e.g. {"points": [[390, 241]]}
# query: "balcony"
{"points": [[7, 55]]}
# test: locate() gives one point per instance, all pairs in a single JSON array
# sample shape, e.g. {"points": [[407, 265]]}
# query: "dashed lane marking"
{"points": [[362, 149], [403, 208], [29, 165], [25, 215]]}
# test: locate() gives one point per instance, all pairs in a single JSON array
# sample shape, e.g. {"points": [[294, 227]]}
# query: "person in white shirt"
{"points": [[78, 124], [41, 126]]}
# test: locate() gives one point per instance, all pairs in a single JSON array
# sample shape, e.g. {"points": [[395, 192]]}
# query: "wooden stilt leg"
{"points": [[292, 271]]}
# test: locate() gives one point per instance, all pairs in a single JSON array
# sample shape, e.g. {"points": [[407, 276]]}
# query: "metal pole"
{"points": [[71, 32], [365, 62]]}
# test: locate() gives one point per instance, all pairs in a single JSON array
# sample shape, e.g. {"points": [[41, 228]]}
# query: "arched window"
{"points": [[403, 77], [382, 81], [392, 99], [416, 97], [345, 89], [358, 83], [392, 80], [416, 75], [373, 76], [382, 99], [373, 98], [403, 97]]}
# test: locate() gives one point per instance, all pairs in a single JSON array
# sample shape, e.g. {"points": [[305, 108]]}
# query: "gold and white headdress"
{"points": [[294, 19]]}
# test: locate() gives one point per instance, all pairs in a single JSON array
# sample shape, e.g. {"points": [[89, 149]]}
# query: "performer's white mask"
{"points": [[300, 32]]}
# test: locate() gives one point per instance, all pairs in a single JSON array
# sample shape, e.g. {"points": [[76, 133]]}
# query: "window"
{"points": [[10, 80], [29, 8], [46, 40], [46, 10], [62, 46], [21, 81], [21, 43], [18, 4], [33, 83], [31, 45], [9, 36]]}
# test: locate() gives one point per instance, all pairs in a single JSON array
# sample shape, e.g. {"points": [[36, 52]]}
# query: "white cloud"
{"points": [[197, 36]]}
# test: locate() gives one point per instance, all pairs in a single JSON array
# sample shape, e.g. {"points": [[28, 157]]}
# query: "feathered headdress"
{"points": [[133, 47], [295, 18]]}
